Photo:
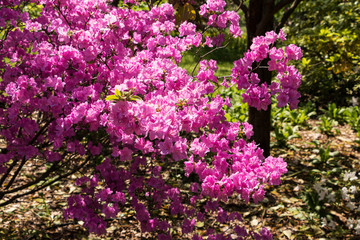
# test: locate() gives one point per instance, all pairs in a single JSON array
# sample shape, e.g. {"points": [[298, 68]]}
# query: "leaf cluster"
{"points": [[328, 33], [123, 96]]}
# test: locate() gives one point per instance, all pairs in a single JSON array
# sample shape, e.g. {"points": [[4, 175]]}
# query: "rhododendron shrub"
{"points": [[100, 85]]}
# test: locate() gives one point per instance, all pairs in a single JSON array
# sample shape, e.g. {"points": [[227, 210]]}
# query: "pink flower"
{"points": [[216, 5], [179, 150], [282, 99], [293, 52], [199, 148], [158, 113], [188, 226], [166, 146], [248, 130], [187, 28], [258, 195], [189, 167], [125, 154], [52, 156]]}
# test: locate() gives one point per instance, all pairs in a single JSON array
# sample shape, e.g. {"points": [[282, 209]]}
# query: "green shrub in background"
{"points": [[353, 117], [283, 133], [296, 117], [328, 33], [239, 110]]}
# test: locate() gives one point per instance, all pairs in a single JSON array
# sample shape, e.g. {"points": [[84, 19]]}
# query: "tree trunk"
{"points": [[260, 19]]}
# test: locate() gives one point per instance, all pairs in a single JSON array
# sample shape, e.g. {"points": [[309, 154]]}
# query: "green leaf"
{"points": [[305, 61], [112, 98], [200, 224], [118, 93], [135, 98]]}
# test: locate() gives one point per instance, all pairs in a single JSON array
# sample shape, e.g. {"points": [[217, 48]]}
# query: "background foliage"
{"points": [[328, 33]]}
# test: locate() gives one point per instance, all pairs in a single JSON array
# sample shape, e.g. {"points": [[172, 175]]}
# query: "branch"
{"points": [[282, 4], [245, 10], [24, 158], [62, 14], [287, 15], [23, 161], [3, 178], [11, 200], [243, 7], [201, 57], [39, 179]]}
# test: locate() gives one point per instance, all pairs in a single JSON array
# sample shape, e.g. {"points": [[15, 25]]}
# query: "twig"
{"points": [[24, 158], [39, 179], [11, 200], [201, 57], [7, 174], [61, 13], [286, 15]]}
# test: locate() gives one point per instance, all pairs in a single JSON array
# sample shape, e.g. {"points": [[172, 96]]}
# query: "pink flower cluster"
{"points": [[213, 10], [59, 69], [258, 94]]}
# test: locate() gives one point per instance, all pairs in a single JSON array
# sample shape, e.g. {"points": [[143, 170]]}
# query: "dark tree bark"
{"points": [[260, 19], [115, 3], [259, 16]]}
